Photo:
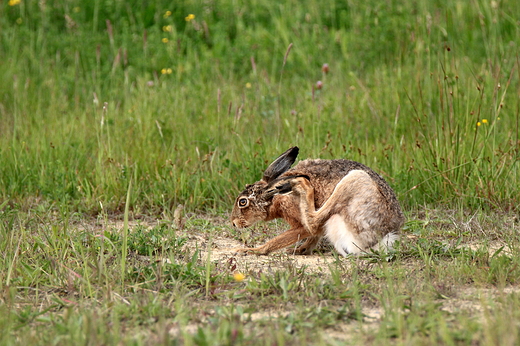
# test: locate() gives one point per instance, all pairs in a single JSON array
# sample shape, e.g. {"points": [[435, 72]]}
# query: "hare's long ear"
{"points": [[281, 164]]}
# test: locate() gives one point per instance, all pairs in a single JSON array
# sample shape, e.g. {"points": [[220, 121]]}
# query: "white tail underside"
{"points": [[347, 242]]}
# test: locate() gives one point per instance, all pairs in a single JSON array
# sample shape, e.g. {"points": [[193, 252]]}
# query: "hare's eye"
{"points": [[243, 202]]}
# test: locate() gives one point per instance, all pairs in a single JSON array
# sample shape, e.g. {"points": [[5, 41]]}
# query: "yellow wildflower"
{"points": [[478, 123], [484, 121], [165, 40], [248, 85], [190, 17], [166, 71], [167, 28], [167, 14], [14, 2], [239, 277]]}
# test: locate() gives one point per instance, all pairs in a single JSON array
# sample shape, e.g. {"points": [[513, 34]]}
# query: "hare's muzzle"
{"points": [[239, 223]]}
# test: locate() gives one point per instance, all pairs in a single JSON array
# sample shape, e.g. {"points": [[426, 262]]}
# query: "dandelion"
{"points": [[190, 17], [14, 2], [167, 14], [239, 277], [165, 40], [478, 123], [248, 85], [166, 71], [167, 28], [484, 121]]}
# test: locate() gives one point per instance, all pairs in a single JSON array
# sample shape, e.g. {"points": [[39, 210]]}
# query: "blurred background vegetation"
{"points": [[190, 100]]}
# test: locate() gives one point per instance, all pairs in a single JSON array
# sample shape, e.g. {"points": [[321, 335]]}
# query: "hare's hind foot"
{"points": [[306, 248], [387, 243], [300, 186]]}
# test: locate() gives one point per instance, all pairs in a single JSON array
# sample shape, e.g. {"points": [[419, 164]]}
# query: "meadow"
{"points": [[114, 113]]}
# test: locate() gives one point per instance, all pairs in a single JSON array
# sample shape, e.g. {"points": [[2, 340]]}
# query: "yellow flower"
{"points": [[166, 71], [167, 14], [239, 277], [190, 17], [167, 28], [165, 40], [484, 121], [248, 85], [163, 71], [14, 2], [478, 123]]}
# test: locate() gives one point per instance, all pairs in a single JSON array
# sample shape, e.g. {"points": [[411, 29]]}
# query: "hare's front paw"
{"points": [[300, 185]]}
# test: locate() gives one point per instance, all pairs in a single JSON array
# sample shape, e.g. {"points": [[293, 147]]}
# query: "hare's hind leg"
{"points": [[350, 216], [306, 248]]}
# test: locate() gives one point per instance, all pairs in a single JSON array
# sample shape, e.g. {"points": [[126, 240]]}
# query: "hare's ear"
{"points": [[281, 164]]}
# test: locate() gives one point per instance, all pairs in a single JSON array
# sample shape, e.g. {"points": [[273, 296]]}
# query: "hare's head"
{"points": [[253, 203]]}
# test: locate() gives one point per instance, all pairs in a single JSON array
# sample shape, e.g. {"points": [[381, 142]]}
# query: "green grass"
{"points": [[408, 84], [116, 110], [64, 283]]}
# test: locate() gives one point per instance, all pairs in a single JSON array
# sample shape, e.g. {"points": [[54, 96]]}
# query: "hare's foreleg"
{"points": [[281, 241]]}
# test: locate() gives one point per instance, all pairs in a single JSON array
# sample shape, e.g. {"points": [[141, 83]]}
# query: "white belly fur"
{"points": [[340, 236], [346, 242]]}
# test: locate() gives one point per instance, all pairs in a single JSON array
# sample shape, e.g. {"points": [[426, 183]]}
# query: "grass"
{"points": [[112, 112], [190, 111], [66, 284]]}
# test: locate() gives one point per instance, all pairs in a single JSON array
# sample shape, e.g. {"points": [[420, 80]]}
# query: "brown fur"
{"points": [[363, 201]]}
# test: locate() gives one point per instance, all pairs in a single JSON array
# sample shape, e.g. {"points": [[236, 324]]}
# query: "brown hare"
{"points": [[343, 200]]}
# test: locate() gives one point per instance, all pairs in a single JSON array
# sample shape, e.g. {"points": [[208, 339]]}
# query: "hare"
{"points": [[343, 200]]}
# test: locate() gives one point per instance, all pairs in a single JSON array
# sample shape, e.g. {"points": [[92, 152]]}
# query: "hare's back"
{"points": [[325, 174], [331, 170]]}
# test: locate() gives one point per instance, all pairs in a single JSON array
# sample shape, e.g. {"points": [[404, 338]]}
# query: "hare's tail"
{"points": [[387, 243]]}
